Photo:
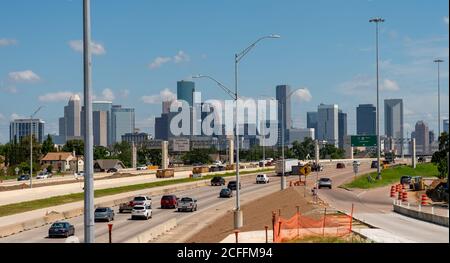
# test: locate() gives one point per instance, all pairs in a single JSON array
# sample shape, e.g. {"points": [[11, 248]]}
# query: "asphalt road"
{"points": [[124, 228]]}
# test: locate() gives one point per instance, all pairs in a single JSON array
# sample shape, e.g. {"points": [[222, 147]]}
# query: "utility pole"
{"points": [[89, 234]]}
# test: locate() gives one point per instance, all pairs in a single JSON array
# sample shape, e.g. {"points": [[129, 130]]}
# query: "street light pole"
{"points": [[283, 176], [438, 62], [89, 235], [31, 145], [377, 21]]}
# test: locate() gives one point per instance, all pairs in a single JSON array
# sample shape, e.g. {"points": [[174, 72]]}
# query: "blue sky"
{"points": [[327, 47]]}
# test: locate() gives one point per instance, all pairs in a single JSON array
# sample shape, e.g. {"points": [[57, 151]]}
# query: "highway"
{"points": [[124, 228]]}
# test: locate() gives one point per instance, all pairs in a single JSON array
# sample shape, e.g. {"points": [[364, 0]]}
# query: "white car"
{"points": [[262, 179], [142, 168], [217, 163], [79, 174], [141, 211], [42, 175]]}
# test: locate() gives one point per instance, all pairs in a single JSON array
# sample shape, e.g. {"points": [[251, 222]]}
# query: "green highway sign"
{"points": [[364, 141]]}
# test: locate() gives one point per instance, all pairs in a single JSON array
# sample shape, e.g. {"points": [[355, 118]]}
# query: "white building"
{"points": [[328, 123], [300, 135]]}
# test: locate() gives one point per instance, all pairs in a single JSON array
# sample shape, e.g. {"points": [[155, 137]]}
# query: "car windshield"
{"points": [[168, 197], [139, 198], [232, 182], [139, 208], [58, 225], [225, 190], [216, 178], [100, 210], [325, 179], [186, 199]]}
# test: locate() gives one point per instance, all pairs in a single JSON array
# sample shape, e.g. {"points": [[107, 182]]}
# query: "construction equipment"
{"points": [[417, 183], [438, 191]]}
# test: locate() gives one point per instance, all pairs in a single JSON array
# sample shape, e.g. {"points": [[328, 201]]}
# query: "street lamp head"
{"points": [[376, 20], [197, 76], [438, 61], [275, 36]]}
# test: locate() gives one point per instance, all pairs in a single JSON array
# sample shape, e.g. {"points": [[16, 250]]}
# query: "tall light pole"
{"points": [[31, 145], [377, 21], [89, 235], [438, 62]]}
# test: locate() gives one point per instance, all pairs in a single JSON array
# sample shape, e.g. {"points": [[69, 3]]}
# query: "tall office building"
{"points": [[70, 124], [422, 134], [105, 106], [300, 135], [342, 128], [282, 92], [122, 122], [366, 119], [393, 118], [432, 137], [100, 128], [185, 91], [311, 122], [21, 128], [445, 124], [328, 124], [166, 106]]}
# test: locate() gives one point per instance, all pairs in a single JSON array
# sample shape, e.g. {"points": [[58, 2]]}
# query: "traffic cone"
{"points": [[404, 196], [393, 192], [399, 195], [424, 200]]}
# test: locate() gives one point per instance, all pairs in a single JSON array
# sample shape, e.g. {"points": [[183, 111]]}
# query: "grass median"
{"points": [[392, 176], [22, 207]]}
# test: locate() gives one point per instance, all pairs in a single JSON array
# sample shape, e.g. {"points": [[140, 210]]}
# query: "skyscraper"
{"points": [[311, 122], [366, 119], [105, 106], [21, 128], [432, 137], [70, 124], [393, 117], [122, 122], [185, 91], [283, 92], [445, 122], [328, 123], [422, 134], [100, 128], [342, 128]]}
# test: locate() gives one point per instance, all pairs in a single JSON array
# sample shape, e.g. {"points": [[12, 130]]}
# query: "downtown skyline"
{"points": [[138, 60]]}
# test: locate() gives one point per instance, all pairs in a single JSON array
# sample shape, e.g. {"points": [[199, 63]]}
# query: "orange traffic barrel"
{"points": [[405, 197], [393, 191], [424, 200]]}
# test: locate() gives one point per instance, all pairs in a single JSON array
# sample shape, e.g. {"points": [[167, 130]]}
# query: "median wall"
{"points": [[435, 219]]}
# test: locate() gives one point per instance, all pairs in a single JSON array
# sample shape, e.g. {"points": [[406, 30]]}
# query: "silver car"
{"points": [[104, 214], [325, 182]]}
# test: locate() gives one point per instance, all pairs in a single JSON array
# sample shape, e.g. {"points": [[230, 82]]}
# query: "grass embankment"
{"points": [[318, 239], [392, 176], [12, 209]]}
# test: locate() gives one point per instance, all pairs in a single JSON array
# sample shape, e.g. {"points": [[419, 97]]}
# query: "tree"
{"points": [[440, 157], [101, 153], [74, 145], [122, 152], [330, 151], [146, 156], [197, 156], [302, 150], [48, 145]]}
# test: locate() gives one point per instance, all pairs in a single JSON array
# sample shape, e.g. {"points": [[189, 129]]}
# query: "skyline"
{"points": [[135, 69]]}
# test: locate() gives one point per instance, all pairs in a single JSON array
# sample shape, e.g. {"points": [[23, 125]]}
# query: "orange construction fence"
{"points": [[300, 226]]}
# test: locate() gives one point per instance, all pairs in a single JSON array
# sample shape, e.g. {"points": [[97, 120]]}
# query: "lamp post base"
{"points": [[238, 219]]}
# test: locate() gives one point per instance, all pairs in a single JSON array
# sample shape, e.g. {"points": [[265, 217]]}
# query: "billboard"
{"points": [[180, 145]]}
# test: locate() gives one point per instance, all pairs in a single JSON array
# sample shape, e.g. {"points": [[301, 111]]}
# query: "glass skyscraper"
{"points": [[21, 128], [185, 91], [122, 122], [366, 119]]}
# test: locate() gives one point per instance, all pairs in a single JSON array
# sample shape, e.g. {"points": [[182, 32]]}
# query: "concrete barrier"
{"points": [[51, 218], [154, 232], [435, 219]]}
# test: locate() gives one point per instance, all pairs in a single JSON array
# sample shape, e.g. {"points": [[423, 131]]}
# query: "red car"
{"points": [[169, 201]]}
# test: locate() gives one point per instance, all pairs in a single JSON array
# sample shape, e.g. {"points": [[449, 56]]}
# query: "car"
{"points": [[217, 163], [406, 179], [374, 164], [226, 193], [126, 207], [232, 185], [79, 174], [142, 200], [316, 167], [187, 204], [217, 181], [262, 179], [103, 214], [197, 164], [61, 229], [23, 177], [356, 163], [340, 165], [169, 201], [421, 160], [325, 182], [141, 211], [43, 175], [142, 168], [112, 170]]}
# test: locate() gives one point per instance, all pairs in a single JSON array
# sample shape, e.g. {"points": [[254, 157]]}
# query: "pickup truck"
{"points": [[187, 204], [138, 200]]}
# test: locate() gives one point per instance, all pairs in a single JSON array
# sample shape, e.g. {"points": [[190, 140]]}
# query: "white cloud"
{"points": [[4, 42], [10, 89], [446, 20], [108, 95], [124, 93], [96, 48], [303, 94], [164, 95], [56, 97], [2, 118], [159, 61], [389, 85], [24, 76], [16, 116], [180, 57]]}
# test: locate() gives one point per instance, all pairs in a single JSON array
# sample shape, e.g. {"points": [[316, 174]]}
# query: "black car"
{"points": [[61, 229], [217, 181], [226, 193], [405, 179], [232, 185], [112, 170], [374, 164], [23, 177]]}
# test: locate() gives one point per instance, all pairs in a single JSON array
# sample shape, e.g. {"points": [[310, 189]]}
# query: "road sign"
{"points": [[181, 145], [364, 141]]}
